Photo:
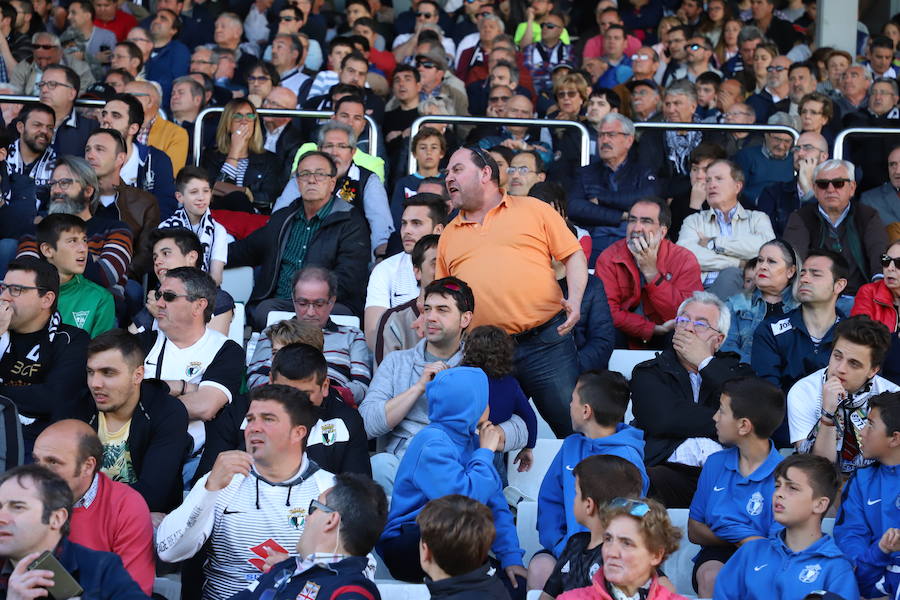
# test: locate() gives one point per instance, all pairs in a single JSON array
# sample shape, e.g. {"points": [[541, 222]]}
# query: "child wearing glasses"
{"points": [[731, 505], [800, 558]]}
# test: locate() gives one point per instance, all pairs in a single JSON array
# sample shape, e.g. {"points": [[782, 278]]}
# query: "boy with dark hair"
{"points": [[456, 535], [731, 505], [337, 442], [800, 558], [598, 407], [62, 241], [194, 194], [868, 523], [598, 479]]}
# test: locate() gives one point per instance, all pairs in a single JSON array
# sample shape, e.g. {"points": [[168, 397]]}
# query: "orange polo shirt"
{"points": [[506, 261]]}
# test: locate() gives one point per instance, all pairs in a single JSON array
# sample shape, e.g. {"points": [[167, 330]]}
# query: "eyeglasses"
{"points": [[52, 85], [302, 304], [307, 175], [737, 113], [610, 135], [809, 111], [499, 98], [699, 326], [806, 148], [16, 290], [838, 184], [243, 116], [288, 19], [63, 183], [44, 46], [257, 79], [885, 261], [315, 505], [197, 61], [640, 57], [776, 68], [550, 26], [333, 146], [635, 508], [697, 47], [169, 296], [426, 15], [519, 170], [566, 93]]}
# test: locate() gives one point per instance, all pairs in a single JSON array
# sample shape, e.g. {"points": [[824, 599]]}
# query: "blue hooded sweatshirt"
{"points": [[871, 506], [735, 507], [769, 570], [556, 519], [445, 458]]}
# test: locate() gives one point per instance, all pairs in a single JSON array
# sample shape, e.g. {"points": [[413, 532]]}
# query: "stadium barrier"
{"points": [[843, 135]]}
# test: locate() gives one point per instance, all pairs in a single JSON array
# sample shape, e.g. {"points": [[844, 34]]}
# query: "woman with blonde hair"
{"points": [[245, 176]]}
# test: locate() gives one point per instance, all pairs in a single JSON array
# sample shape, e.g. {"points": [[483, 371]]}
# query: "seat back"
{"points": [[680, 565], [624, 361], [526, 529], [346, 320], [276, 316], [528, 483], [238, 321], [238, 282]]}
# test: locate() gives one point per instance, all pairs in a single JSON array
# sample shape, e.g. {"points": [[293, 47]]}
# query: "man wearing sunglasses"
{"points": [[47, 52], [777, 88], [851, 229], [342, 525], [42, 360], [699, 51], [547, 51]]}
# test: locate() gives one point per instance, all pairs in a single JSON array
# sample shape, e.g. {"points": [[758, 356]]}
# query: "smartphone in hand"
{"points": [[64, 585]]}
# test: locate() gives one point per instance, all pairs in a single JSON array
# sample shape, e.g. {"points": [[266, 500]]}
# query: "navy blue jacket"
{"points": [[779, 200], [167, 64], [73, 134], [594, 333], [343, 580], [101, 574], [155, 176], [615, 193], [19, 209]]}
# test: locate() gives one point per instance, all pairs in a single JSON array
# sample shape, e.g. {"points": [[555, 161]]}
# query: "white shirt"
{"points": [[129, 171], [392, 282], [695, 451]]}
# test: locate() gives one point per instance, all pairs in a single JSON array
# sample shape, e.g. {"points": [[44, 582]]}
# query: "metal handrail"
{"points": [[585, 136], [718, 127], [839, 140], [16, 99], [278, 112]]}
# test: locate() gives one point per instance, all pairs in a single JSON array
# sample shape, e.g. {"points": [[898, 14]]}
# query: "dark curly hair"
{"points": [[490, 349]]}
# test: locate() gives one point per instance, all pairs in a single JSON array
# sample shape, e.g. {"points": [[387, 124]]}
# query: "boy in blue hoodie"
{"points": [[868, 523], [799, 559], [453, 454], [598, 406], [732, 503]]}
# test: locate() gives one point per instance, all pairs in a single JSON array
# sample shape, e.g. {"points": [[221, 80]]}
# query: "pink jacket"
{"points": [[597, 591]]}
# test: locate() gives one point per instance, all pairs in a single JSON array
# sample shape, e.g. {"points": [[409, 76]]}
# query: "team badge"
{"points": [[897, 502], [810, 573], [80, 317], [192, 369], [309, 591], [594, 568], [297, 517], [755, 504], [329, 435]]}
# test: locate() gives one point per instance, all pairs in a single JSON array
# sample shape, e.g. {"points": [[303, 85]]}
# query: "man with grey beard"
{"points": [[73, 190]]}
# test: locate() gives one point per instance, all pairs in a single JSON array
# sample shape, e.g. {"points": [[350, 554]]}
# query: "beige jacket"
{"points": [[750, 230]]}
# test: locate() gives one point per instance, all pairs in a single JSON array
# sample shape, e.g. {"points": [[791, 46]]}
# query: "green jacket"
{"points": [[86, 305]]}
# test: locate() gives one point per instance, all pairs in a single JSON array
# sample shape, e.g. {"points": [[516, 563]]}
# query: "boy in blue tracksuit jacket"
{"points": [[598, 407], [799, 559], [732, 503], [445, 458], [868, 520]]}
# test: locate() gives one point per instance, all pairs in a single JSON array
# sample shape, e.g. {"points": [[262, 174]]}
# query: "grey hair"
{"points": [[783, 118], [438, 103], [890, 82], [54, 39], [85, 175], [748, 33], [197, 284], [493, 17], [196, 87], [333, 125], [834, 163], [684, 88], [724, 322], [233, 18], [614, 117]]}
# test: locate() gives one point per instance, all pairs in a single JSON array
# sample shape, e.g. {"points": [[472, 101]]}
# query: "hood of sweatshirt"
{"points": [[457, 398]]}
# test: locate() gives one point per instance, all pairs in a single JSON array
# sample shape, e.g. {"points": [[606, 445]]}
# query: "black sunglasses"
{"points": [[169, 296], [838, 184], [886, 260]]}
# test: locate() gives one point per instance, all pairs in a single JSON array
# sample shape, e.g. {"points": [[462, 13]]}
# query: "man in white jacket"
{"points": [[253, 505], [725, 236]]}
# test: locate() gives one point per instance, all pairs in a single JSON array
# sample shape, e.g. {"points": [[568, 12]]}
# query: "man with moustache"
{"points": [[32, 154]]}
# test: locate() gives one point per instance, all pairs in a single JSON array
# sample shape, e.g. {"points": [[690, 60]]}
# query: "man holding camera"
{"points": [[646, 277]]}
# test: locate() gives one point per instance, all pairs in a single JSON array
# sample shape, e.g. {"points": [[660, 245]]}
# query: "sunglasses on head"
{"points": [[886, 260], [838, 184], [635, 508]]}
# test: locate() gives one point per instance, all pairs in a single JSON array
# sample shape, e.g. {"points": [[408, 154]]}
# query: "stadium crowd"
{"points": [[325, 345]]}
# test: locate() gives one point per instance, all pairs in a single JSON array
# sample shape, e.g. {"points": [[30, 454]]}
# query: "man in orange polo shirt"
{"points": [[502, 247]]}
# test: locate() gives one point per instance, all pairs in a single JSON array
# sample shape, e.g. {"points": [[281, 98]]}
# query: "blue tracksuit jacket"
{"points": [[769, 570], [556, 520], [733, 506], [870, 506]]}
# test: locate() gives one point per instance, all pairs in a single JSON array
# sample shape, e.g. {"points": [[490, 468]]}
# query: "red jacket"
{"points": [[877, 301], [597, 591], [679, 277]]}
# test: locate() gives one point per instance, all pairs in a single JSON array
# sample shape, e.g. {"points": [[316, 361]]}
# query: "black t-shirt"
{"points": [[576, 565]]}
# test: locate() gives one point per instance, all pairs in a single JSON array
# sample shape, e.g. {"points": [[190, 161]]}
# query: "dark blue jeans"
{"points": [[547, 369]]}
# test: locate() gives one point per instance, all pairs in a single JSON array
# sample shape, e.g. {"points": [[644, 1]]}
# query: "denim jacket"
{"points": [[747, 312]]}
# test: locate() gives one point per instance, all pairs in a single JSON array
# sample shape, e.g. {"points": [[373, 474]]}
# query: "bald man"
{"points": [[107, 515], [156, 131], [282, 135]]}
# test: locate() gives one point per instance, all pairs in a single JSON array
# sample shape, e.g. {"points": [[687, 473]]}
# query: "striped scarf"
{"points": [[42, 168], [205, 230]]}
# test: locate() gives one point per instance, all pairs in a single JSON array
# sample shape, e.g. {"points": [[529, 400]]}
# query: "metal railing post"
{"points": [[843, 135], [449, 119]]}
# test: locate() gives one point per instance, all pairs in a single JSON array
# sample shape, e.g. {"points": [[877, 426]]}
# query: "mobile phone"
{"points": [[64, 585], [104, 48]]}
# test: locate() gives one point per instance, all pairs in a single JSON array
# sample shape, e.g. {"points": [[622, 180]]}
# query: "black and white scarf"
{"points": [[205, 231], [42, 168]]}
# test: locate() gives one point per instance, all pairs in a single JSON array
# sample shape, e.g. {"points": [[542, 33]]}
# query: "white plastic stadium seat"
{"points": [[527, 485], [346, 320], [526, 529], [396, 590], [276, 316], [828, 525], [679, 566], [624, 361], [533, 595], [238, 282], [167, 587], [236, 330]]}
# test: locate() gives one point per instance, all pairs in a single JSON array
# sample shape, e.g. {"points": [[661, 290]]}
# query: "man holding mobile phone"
{"points": [[35, 505]]}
